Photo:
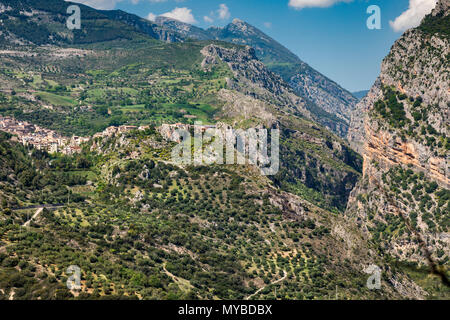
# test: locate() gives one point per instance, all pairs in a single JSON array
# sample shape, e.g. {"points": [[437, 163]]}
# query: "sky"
{"points": [[332, 36]]}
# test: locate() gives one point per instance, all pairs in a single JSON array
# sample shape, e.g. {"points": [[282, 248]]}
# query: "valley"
{"points": [[86, 125]]}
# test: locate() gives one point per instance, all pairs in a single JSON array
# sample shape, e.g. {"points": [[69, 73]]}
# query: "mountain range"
{"points": [[329, 103], [361, 185], [323, 93]]}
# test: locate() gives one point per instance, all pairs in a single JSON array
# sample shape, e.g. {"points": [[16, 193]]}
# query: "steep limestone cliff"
{"points": [[404, 119], [401, 127]]}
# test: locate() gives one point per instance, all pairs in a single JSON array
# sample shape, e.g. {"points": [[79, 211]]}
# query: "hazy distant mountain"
{"points": [[360, 94]]}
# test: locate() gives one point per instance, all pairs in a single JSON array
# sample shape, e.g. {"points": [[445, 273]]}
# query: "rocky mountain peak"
{"points": [[242, 27], [181, 26], [251, 77], [442, 8]]}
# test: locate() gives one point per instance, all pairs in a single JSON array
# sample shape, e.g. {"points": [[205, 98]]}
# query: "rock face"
{"points": [[324, 92], [183, 30], [442, 7], [356, 134], [401, 127], [252, 78], [417, 67], [305, 80], [241, 107]]}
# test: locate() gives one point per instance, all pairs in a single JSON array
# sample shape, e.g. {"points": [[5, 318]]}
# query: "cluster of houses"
{"points": [[112, 131], [41, 138], [44, 139], [52, 142]]}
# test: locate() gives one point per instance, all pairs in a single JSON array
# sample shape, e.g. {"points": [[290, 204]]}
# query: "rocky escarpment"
{"points": [[356, 133], [252, 78], [330, 103], [417, 69], [182, 30], [315, 162], [442, 8], [401, 127], [323, 92], [242, 109]]}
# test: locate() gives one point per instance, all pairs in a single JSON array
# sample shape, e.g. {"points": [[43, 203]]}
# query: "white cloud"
{"points": [[223, 12], [413, 16], [151, 16], [208, 19], [300, 4], [99, 4], [268, 25], [181, 14]]}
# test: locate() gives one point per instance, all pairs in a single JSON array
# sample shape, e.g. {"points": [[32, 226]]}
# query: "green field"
{"points": [[56, 100], [132, 108]]}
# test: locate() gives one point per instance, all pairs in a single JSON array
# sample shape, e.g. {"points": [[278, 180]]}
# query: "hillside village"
{"points": [[44, 139], [40, 138]]}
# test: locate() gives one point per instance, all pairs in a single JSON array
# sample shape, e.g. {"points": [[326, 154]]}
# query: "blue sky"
{"points": [[330, 35]]}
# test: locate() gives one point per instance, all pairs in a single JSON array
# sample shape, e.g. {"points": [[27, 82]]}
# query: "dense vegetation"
{"points": [[41, 180], [439, 24], [391, 108], [155, 231]]}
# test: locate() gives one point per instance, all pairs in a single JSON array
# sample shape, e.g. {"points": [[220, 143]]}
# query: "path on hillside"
{"points": [[40, 206], [182, 283], [38, 211], [272, 283]]}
